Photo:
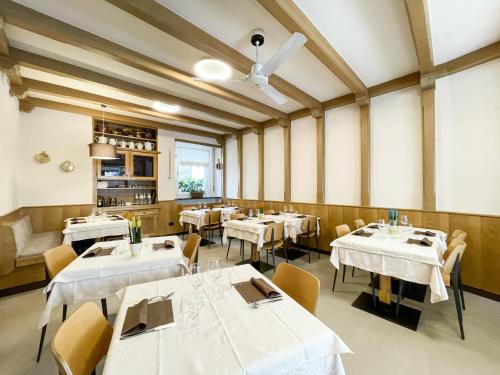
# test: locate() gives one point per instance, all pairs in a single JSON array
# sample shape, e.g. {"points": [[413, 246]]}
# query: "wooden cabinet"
{"points": [[135, 165], [148, 216]]}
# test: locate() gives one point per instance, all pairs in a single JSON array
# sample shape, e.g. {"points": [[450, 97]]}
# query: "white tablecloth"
{"points": [[195, 217], [95, 227], [94, 278], [391, 255], [227, 337]]}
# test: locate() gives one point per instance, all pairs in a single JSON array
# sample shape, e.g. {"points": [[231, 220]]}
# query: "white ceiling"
{"points": [[462, 26], [373, 37]]}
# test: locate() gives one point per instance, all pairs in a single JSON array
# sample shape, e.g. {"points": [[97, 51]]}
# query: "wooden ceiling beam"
{"points": [[294, 20], [418, 16], [49, 104], [173, 24], [38, 62], [50, 27], [66, 92], [395, 84], [470, 60], [4, 42]]}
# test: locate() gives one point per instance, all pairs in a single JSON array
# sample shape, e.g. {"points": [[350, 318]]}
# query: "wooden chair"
{"points": [[269, 212], [56, 260], [218, 205], [236, 216], [452, 277], [82, 341], [191, 247], [359, 223], [244, 210], [309, 232], [458, 235], [211, 223], [301, 285], [274, 239], [341, 231]]}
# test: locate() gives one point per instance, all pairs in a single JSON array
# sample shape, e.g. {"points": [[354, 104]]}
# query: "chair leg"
{"points": [[40, 346], [459, 310], [352, 274], [285, 249], [228, 246], [274, 260], [104, 306], [242, 250], [400, 292], [317, 248], [309, 248], [334, 279], [65, 311], [343, 274], [461, 289], [220, 234], [374, 298]]}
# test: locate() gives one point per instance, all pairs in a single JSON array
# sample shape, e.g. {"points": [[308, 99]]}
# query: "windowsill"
{"points": [[182, 198]]}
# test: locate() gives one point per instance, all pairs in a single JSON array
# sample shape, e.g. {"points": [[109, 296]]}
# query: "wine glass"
{"points": [[214, 267], [195, 275], [285, 209], [291, 209], [250, 212], [404, 220], [381, 222]]}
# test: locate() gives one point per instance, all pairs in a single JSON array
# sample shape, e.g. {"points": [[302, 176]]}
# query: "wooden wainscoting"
{"points": [[51, 218], [480, 264]]}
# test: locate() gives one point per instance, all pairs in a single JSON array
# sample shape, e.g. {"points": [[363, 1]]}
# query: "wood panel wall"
{"points": [[481, 262]]}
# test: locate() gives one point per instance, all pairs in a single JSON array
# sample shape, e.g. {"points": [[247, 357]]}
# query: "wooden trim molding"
{"points": [[418, 16], [320, 156], [365, 155], [224, 168], [173, 24], [287, 146], [53, 28], [429, 149], [4, 42], [260, 141], [294, 20]]}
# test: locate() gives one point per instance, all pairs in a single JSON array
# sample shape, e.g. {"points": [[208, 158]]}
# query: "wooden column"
{"points": [[428, 144], [319, 115], [239, 145], [286, 125], [224, 175], [364, 108], [260, 141]]}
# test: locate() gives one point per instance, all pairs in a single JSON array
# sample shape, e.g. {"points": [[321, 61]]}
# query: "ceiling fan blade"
{"points": [[274, 94], [296, 41]]}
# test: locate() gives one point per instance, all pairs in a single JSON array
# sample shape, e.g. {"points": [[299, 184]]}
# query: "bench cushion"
{"points": [[22, 232], [39, 243]]}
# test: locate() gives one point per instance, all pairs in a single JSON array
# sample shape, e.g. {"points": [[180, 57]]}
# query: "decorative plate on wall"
{"points": [[67, 166], [42, 157]]}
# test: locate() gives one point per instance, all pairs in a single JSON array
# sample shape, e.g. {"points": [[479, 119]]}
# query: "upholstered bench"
{"points": [[21, 260]]}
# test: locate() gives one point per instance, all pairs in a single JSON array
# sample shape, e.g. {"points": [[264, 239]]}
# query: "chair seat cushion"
{"points": [[307, 235], [39, 243], [277, 244]]}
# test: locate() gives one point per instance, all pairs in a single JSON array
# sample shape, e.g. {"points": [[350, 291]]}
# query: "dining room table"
{"points": [[404, 253], [223, 334], [252, 230], [195, 218], [99, 277], [94, 226]]}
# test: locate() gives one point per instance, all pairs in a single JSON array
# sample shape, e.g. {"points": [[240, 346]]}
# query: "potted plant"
{"points": [[135, 233], [194, 186]]}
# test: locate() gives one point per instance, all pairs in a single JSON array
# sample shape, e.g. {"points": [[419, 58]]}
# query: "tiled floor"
{"points": [[379, 347]]}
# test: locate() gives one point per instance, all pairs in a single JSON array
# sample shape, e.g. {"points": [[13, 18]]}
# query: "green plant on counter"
{"points": [[191, 185], [135, 230]]}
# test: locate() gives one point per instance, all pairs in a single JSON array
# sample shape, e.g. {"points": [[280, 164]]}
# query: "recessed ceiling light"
{"points": [[212, 69], [167, 108]]}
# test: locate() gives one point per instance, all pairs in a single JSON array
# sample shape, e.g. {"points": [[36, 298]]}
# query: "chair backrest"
{"points": [[309, 224], [359, 223], [455, 233], [81, 341], [342, 230], [301, 285], [218, 205], [279, 229], [269, 212], [58, 258], [236, 216], [244, 210], [189, 208], [191, 247], [460, 236], [212, 217], [128, 215], [455, 253]]}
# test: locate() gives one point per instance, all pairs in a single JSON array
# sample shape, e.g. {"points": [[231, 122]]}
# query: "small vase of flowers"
{"points": [[135, 234]]}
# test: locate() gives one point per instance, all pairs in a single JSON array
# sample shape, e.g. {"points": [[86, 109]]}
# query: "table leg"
{"points": [[385, 291], [255, 255]]}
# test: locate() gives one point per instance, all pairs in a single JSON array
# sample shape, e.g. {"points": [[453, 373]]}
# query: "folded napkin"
{"points": [[362, 233], [267, 222], [373, 226], [425, 233], [256, 289], [275, 214], [300, 216], [99, 252], [168, 244], [145, 317], [116, 218], [78, 221], [423, 242]]}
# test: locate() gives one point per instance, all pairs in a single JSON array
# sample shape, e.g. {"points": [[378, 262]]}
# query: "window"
{"points": [[198, 162]]}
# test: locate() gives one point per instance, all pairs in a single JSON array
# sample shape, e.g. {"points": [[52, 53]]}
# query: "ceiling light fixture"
{"points": [[101, 149], [212, 69], [167, 108]]}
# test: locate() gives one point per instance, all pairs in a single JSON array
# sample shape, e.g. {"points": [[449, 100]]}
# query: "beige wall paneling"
{"points": [[365, 154]]}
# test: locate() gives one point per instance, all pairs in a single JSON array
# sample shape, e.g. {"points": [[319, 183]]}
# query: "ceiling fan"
{"points": [[259, 74]]}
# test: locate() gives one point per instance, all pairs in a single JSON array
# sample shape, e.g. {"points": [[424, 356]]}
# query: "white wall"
{"points": [[232, 168], [396, 126], [167, 189], [64, 136], [250, 166], [274, 164], [303, 160], [468, 140], [9, 148], [343, 156]]}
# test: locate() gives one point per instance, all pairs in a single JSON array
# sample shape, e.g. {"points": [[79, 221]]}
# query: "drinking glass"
{"points": [[195, 275], [381, 222], [285, 209], [250, 212], [404, 220], [214, 267], [291, 209]]}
